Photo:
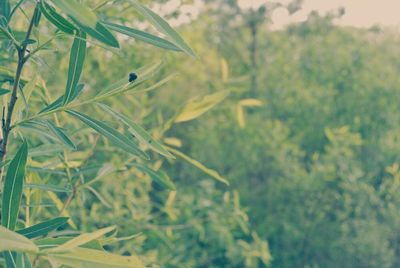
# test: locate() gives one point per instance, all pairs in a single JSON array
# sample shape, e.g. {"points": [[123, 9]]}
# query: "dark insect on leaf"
{"points": [[132, 77]]}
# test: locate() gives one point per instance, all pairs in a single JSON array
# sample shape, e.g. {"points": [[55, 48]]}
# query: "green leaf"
{"points": [[23, 261], [199, 165], [5, 9], [43, 228], [37, 16], [83, 257], [4, 91], [163, 27], [10, 259], [110, 133], [77, 11], [101, 33], [124, 85], [58, 102], [13, 186], [28, 42], [46, 150], [82, 239], [76, 60], [56, 19], [138, 132], [10, 240], [142, 36], [197, 107], [59, 133], [159, 177]]}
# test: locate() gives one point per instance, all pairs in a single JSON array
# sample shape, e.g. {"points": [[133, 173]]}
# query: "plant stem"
{"points": [[6, 124]]}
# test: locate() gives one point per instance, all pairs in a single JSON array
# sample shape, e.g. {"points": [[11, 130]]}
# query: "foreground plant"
{"points": [[26, 245]]}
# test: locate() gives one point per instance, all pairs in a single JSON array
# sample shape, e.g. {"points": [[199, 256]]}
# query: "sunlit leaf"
{"points": [[83, 257], [52, 242], [82, 239], [199, 165], [13, 241], [197, 107]]}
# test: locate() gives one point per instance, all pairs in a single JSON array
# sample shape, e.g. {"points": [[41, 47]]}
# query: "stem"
{"points": [[6, 126], [253, 57]]}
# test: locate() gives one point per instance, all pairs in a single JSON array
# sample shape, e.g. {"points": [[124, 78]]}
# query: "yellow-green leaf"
{"points": [[11, 241], [84, 258], [199, 165], [197, 107], [82, 239]]}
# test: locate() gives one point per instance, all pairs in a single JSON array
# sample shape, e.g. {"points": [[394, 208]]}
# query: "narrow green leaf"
{"points": [[4, 91], [13, 241], [199, 106], [114, 136], [59, 133], [82, 239], [100, 33], [142, 36], [83, 257], [163, 27], [10, 259], [43, 228], [138, 132], [199, 165], [77, 11], [13, 186], [159, 177], [46, 150], [23, 261], [123, 85], [37, 16], [58, 102], [5, 9], [56, 19], [76, 60]]}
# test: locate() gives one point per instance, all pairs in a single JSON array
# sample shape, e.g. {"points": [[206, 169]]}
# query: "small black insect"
{"points": [[132, 77]]}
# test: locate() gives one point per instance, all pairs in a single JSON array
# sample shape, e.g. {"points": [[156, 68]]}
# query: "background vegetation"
{"points": [[304, 126]]}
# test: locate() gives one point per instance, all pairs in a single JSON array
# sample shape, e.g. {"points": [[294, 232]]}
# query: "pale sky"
{"points": [[359, 13]]}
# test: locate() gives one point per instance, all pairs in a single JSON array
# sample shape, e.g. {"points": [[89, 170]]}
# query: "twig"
{"points": [[6, 124]]}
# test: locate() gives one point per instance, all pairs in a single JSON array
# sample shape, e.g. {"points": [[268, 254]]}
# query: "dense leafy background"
{"points": [[313, 157]]}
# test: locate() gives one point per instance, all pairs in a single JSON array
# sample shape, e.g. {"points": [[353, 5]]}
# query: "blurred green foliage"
{"points": [[312, 150]]}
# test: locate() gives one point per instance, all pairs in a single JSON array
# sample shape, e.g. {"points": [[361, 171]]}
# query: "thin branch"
{"points": [[13, 99]]}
